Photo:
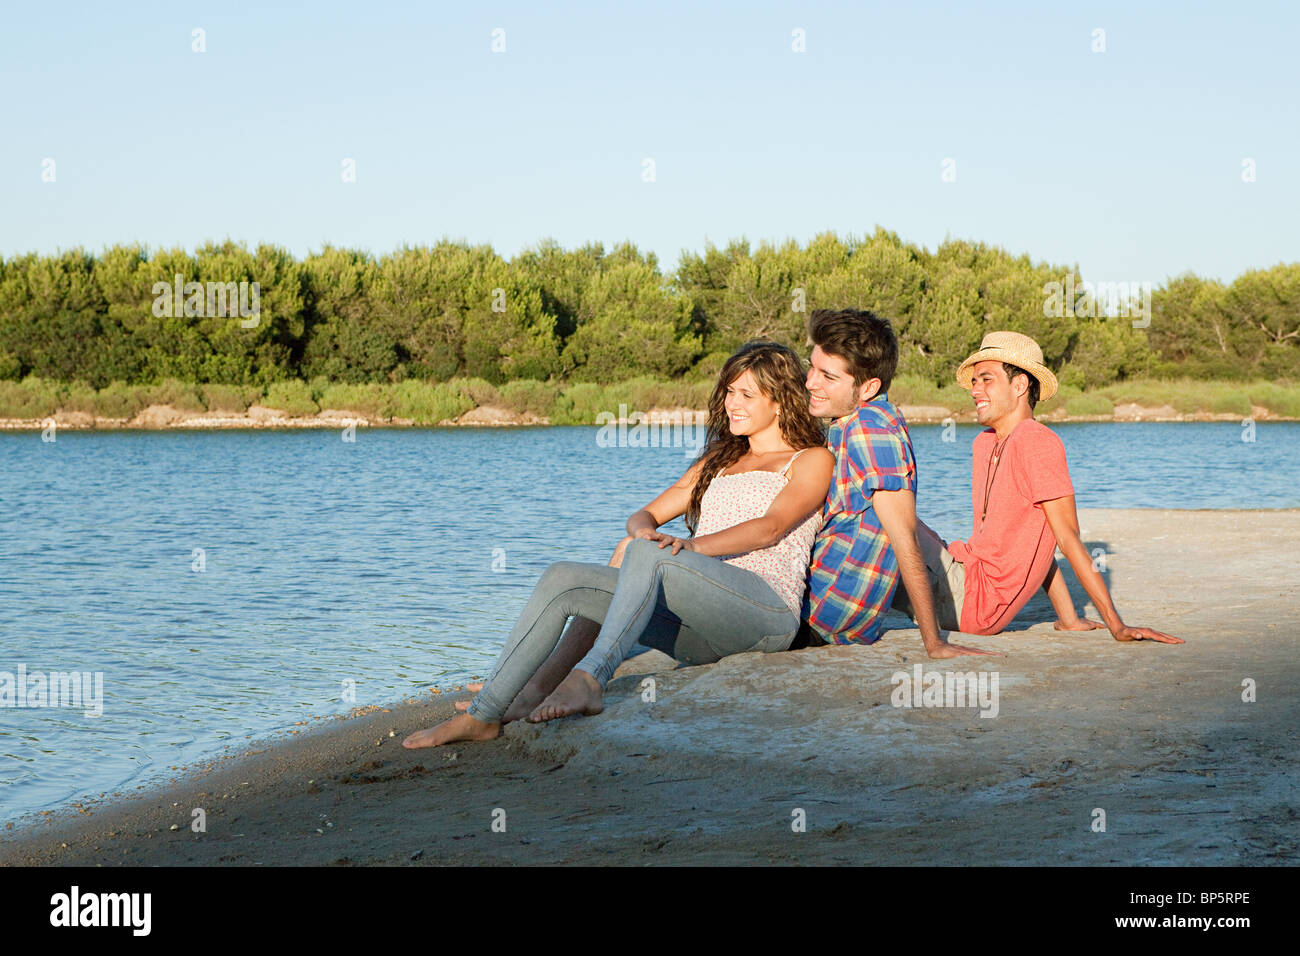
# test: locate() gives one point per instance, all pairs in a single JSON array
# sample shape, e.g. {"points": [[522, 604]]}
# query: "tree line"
{"points": [[453, 310]]}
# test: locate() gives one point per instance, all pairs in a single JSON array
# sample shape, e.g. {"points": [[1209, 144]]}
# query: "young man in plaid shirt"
{"points": [[871, 504]]}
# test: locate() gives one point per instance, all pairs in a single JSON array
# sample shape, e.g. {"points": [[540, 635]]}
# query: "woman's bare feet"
{"points": [[460, 727], [579, 693], [463, 705]]}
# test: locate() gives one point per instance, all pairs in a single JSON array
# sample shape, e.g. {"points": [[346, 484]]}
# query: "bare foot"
{"points": [[526, 702], [579, 693], [460, 727], [1079, 624], [520, 707], [463, 705]]}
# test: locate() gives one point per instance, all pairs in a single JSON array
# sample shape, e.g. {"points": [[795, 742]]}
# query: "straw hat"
{"points": [[1015, 349]]}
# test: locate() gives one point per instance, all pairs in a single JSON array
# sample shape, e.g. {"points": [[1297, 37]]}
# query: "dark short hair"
{"points": [[865, 341], [1013, 371]]}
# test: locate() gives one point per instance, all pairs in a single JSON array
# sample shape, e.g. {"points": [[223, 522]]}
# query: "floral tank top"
{"points": [[731, 499]]}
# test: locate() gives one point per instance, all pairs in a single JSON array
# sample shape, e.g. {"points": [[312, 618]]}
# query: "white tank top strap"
{"points": [[791, 461]]}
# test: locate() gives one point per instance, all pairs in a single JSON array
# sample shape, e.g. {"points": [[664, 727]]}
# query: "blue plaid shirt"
{"points": [[853, 573]]}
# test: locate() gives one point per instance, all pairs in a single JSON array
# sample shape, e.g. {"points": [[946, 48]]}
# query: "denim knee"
{"points": [[561, 576], [644, 552]]}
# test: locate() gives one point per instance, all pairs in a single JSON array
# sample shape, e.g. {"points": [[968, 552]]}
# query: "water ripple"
{"points": [[228, 584]]}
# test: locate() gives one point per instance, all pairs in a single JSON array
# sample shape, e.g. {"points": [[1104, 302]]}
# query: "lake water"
{"points": [[231, 583]]}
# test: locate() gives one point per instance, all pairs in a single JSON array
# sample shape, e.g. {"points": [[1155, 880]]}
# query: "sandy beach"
{"points": [[727, 760]]}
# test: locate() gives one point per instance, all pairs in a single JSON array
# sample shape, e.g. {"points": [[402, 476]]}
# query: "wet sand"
{"points": [[726, 759]]}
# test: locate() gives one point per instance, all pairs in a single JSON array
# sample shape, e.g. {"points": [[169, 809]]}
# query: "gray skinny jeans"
{"points": [[696, 608], [728, 610]]}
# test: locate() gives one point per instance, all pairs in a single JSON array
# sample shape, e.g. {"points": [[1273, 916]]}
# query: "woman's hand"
{"points": [[667, 539]]}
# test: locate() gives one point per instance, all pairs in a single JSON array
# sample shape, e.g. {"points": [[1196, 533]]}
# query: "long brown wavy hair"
{"points": [[780, 376]]}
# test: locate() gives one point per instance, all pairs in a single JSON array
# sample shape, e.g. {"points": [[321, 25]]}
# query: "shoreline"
{"points": [[711, 771], [257, 417]]}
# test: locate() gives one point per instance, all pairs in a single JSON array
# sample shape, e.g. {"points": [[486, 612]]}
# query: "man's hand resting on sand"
{"points": [[1126, 633]]}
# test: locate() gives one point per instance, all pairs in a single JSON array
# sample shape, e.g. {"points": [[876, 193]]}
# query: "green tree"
{"points": [[633, 323], [1263, 307], [347, 340], [881, 274], [52, 316]]}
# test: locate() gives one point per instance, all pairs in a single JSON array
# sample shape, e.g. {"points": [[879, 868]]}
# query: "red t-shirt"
{"points": [[1007, 556]]}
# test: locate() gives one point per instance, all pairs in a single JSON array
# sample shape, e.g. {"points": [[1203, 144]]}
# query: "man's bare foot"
{"points": [[1078, 624], [460, 727], [523, 704], [579, 693]]}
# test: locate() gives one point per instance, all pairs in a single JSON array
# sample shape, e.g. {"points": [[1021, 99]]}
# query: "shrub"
{"points": [[1076, 402], [292, 396], [530, 397], [1181, 396], [580, 404], [707, 368], [428, 403], [1090, 403], [376, 401], [230, 398], [1279, 399], [77, 397], [10, 367], [317, 385], [115, 400], [919, 390], [182, 396], [477, 390], [697, 395], [646, 393], [1226, 398], [31, 398]]}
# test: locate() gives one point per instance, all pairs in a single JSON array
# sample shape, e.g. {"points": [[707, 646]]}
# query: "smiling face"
{"points": [[994, 395], [830, 386], [749, 411]]}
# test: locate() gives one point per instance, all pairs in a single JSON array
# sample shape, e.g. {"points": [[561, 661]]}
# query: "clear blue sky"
{"points": [[1127, 162]]}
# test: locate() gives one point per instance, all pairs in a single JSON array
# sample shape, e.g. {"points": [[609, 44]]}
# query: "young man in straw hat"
{"points": [[1024, 508]]}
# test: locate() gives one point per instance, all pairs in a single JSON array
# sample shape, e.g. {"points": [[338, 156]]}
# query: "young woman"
{"points": [[752, 501]]}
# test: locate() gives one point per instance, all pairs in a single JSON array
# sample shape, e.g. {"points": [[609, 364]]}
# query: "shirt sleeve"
{"points": [[878, 457], [1045, 474]]}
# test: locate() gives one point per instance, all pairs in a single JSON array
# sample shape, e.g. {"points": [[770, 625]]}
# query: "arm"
{"points": [[671, 504], [810, 479], [1067, 618], [1064, 520], [897, 513]]}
